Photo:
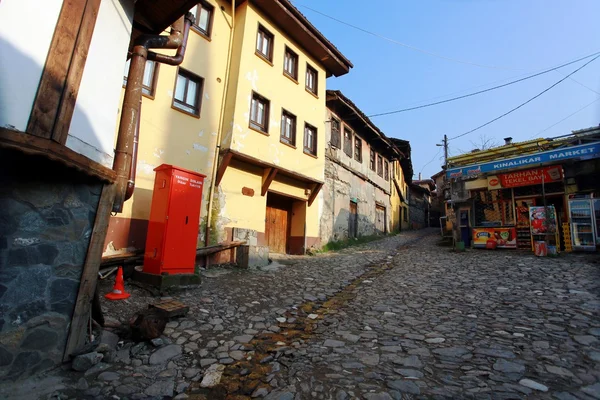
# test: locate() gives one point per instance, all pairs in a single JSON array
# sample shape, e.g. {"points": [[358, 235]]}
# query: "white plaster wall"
{"points": [[94, 122], [23, 54]]}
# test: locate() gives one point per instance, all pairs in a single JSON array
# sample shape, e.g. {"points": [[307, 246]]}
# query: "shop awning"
{"points": [[581, 152]]}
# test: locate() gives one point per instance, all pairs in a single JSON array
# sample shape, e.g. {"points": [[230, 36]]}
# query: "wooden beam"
{"points": [[47, 148], [82, 45], [263, 164], [89, 276], [268, 176], [54, 77], [222, 167], [314, 192]]}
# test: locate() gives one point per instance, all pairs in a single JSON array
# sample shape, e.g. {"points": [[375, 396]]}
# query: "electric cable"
{"points": [[430, 53], [565, 118], [526, 102], [430, 161], [485, 90]]}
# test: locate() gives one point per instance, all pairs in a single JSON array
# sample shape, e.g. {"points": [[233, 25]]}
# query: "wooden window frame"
{"points": [[294, 58], [177, 104], [262, 128], [263, 33], [147, 91], [379, 165], [211, 10], [315, 90], [372, 159], [348, 144], [357, 149], [337, 133], [386, 170], [307, 150], [283, 139]]}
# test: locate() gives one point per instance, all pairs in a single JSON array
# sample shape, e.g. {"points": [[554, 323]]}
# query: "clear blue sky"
{"points": [[518, 36]]}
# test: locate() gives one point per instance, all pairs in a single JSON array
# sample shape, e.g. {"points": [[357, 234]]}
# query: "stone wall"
{"points": [[46, 217], [340, 187], [418, 212], [258, 256]]}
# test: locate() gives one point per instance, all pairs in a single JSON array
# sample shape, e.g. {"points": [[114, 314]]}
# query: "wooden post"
{"points": [[89, 275], [55, 99]]}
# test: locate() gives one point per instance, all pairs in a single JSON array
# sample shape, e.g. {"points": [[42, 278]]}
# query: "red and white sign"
{"points": [[526, 177]]}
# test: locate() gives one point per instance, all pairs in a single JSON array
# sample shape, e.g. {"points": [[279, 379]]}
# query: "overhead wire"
{"points": [[408, 46], [485, 90], [565, 118], [526, 102], [430, 161]]}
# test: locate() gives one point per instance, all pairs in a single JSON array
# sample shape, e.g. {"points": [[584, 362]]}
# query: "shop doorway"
{"points": [[464, 226], [278, 222]]}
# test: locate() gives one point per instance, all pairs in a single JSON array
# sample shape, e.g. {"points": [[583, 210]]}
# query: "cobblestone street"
{"points": [[397, 318]]}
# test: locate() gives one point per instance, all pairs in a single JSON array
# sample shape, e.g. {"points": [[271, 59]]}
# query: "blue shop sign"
{"points": [[583, 152]]}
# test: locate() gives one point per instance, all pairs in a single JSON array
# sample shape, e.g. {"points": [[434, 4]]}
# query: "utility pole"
{"points": [[445, 152]]}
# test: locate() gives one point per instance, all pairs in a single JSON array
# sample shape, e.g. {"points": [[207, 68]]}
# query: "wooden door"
{"points": [[277, 224], [380, 219], [353, 220]]}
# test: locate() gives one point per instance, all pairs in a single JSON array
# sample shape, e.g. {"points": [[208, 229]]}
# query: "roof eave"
{"points": [[299, 28]]}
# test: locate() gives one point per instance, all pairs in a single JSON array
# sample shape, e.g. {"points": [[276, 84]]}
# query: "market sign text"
{"points": [[585, 151], [527, 177]]}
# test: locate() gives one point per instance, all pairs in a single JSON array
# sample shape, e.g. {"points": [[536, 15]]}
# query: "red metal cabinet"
{"points": [[174, 221]]}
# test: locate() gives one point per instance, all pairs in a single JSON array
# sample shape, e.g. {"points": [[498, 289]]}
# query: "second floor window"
{"points": [[310, 139], [386, 170], [312, 83], [150, 77], [357, 149], [348, 142], [188, 88], [288, 128], [264, 43], [290, 64], [259, 113], [372, 160], [379, 165], [336, 138], [203, 18]]}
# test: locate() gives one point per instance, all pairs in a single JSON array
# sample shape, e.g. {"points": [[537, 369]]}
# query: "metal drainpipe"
{"points": [[130, 110], [211, 190], [133, 169]]}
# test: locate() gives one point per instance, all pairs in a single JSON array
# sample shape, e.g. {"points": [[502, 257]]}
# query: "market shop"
{"points": [[513, 200]]}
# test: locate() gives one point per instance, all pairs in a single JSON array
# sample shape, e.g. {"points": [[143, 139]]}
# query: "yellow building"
{"points": [[252, 82], [401, 177]]}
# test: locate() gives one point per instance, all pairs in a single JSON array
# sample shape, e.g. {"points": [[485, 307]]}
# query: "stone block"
{"points": [[25, 361], [40, 339], [63, 293], [6, 357], [24, 312], [84, 362], [57, 216]]}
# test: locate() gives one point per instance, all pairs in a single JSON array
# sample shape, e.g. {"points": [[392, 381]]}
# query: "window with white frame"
{"points": [[188, 89]]}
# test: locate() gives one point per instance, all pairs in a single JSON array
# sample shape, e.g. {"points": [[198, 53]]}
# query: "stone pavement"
{"points": [[392, 319]]}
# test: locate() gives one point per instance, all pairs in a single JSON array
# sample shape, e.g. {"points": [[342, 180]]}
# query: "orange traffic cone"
{"points": [[118, 292]]}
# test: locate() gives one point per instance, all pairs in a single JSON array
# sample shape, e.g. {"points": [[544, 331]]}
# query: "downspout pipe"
{"points": [[133, 169], [130, 111], [211, 190]]}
